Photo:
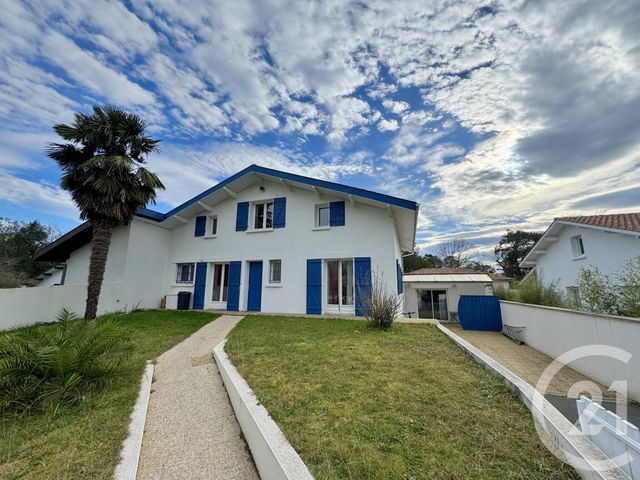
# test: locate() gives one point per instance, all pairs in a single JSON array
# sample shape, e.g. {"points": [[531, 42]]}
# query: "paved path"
{"points": [[525, 361], [191, 431]]}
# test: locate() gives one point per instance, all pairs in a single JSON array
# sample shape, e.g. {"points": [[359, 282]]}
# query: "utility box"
{"points": [[184, 299]]}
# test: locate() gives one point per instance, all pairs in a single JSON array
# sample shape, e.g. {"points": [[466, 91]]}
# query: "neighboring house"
{"points": [[607, 242], [434, 292], [500, 280], [53, 276], [262, 240]]}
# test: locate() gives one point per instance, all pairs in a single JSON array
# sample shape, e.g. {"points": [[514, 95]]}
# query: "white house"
{"points": [[434, 292], [607, 242], [262, 240]]}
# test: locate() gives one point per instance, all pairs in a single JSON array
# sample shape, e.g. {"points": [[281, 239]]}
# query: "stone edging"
{"points": [[274, 456], [127, 467], [561, 431]]}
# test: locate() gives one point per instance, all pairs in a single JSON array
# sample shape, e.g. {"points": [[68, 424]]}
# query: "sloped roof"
{"points": [[442, 271], [445, 275], [617, 221], [499, 276]]}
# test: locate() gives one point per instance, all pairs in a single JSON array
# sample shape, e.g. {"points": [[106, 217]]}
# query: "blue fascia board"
{"points": [[337, 187]]}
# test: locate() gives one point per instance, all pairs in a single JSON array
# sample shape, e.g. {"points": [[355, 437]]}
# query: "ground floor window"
{"points": [[184, 273], [275, 271], [340, 283], [220, 282], [433, 304]]}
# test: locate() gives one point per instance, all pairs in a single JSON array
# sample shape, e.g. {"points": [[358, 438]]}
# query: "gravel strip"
{"points": [[191, 431]]}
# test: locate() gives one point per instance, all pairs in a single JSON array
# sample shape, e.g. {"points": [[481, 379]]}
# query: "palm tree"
{"points": [[103, 169]]}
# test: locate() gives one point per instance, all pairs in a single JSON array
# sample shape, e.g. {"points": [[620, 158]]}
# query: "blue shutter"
{"points": [[201, 225], [233, 295], [362, 282], [336, 214], [199, 285], [314, 286], [279, 212], [399, 277], [242, 216]]}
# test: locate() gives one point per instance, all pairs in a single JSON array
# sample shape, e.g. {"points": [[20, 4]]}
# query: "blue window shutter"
{"points": [[314, 286], [199, 285], [279, 212], [233, 294], [362, 282], [336, 214], [399, 277], [201, 225], [242, 216]]}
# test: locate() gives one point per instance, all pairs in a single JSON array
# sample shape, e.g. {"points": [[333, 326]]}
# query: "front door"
{"points": [[254, 300]]}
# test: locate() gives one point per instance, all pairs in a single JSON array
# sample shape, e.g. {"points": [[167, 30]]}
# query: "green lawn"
{"points": [[404, 404], [84, 442]]}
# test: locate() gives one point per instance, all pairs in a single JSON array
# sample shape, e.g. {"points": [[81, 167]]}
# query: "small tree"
{"points": [[630, 289], [597, 292], [381, 305]]}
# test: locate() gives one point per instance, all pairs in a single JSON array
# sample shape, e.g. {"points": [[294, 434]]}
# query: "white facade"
{"points": [[560, 258], [144, 255]]}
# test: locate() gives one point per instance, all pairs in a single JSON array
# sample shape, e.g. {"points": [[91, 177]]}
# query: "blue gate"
{"points": [[480, 312]]}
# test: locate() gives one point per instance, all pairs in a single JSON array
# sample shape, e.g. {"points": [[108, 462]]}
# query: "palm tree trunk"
{"points": [[99, 250]]}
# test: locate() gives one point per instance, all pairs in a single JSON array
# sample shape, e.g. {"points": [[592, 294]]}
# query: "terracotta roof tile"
{"points": [[617, 221]]}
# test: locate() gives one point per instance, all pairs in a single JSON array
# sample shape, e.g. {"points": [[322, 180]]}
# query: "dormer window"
{"points": [[577, 247]]}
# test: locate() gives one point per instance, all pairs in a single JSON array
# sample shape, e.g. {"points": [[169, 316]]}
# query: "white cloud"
{"points": [[395, 107], [385, 125]]}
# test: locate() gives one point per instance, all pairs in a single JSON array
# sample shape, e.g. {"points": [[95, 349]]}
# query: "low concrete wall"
{"points": [[20, 307], [556, 331], [272, 453]]}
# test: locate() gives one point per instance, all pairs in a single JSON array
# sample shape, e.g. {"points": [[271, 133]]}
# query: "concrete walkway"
{"points": [[525, 361], [191, 431]]}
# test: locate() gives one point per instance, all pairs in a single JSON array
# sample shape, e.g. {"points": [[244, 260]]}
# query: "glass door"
{"points": [[433, 304], [220, 284], [340, 288]]}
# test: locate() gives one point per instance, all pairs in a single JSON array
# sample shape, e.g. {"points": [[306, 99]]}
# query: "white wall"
{"points": [[454, 290], [606, 250], [20, 307], [554, 331], [50, 280], [368, 232]]}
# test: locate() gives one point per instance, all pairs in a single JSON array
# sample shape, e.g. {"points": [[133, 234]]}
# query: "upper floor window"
{"points": [[577, 247], [185, 273], [322, 215], [213, 225], [263, 215], [275, 271]]}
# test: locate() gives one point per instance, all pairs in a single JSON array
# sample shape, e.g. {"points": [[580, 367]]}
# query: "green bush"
{"points": [[381, 305], [43, 368], [617, 294], [535, 292]]}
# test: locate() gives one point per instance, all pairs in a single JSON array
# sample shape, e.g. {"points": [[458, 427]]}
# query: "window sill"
{"points": [[318, 229], [273, 285], [182, 284], [210, 236], [260, 230], [580, 257]]}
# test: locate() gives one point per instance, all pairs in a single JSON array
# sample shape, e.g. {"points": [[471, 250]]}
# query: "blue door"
{"points": [[255, 287], [199, 285]]}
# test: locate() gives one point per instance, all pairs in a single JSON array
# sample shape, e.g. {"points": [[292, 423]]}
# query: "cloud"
{"points": [[385, 125]]}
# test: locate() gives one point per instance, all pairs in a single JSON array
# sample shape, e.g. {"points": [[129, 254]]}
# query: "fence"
{"points": [[20, 307], [617, 438], [555, 331]]}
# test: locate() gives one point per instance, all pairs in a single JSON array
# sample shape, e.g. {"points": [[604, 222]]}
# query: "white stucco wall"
{"points": [[454, 290], [368, 232], [555, 331], [606, 250]]}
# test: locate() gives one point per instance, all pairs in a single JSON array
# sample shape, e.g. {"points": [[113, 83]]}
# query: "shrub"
{"points": [[382, 305], [48, 366], [597, 293], [534, 291], [630, 290]]}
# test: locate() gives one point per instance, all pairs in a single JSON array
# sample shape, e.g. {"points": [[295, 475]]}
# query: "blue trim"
{"points": [[336, 214], [201, 226], [314, 286], [233, 294], [337, 187], [362, 271], [199, 285], [242, 217], [279, 212]]}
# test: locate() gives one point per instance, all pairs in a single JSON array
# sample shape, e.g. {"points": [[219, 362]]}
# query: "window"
{"points": [[577, 246], [213, 225], [263, 215], [220, 282], [433, 304], [322, 215], [275, 271], [340, 283], [185, 273]]}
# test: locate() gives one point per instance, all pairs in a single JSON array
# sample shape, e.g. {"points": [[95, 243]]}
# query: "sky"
{"points": [[490, 114]]}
